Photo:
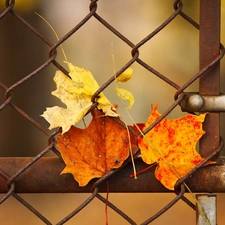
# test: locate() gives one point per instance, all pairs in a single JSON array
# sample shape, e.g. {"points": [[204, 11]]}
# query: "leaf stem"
{"points": [[145, 169], [128, 133], [53, 30]]}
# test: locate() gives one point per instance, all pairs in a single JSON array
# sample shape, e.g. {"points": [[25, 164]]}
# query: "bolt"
{"points": [[195, 102]]}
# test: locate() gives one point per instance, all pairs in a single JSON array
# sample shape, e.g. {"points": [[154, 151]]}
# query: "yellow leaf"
{"points": [[23, 6], [125, 76], [126, 95], [83, 82], [76, 94], [60, 117]]}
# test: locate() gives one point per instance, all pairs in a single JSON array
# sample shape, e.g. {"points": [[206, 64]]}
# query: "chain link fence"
{"points": [[40, 174]]}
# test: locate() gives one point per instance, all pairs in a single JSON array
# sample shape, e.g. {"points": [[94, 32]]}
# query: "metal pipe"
{"points": [[44, 177], [193, 102], [209, 83], [206, 209]]}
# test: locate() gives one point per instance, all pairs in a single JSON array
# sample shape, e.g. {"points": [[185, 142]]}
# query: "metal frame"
{"points": [[22, 175]]}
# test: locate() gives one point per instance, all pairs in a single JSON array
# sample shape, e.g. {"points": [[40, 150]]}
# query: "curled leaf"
{"points": [[126, 95], [125, 76]]}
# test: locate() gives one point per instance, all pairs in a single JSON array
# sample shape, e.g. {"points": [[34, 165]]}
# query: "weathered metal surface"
{"points": [[206, 209], [209, 83], [193, 102], [44, 177]]}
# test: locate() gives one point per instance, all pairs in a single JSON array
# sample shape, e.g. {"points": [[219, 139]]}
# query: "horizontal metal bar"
{"points": [[193, 102], [44, 177]]}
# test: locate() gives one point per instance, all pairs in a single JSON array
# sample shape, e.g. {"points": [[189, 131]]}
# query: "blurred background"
{"points": [[174, 52]]}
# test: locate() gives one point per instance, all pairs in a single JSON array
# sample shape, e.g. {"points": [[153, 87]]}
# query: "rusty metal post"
{"points": [[209, 83], [206, 209]]}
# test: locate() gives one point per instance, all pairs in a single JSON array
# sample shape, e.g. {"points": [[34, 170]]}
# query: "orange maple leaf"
{"points": [[94, 151], [171, 144]]}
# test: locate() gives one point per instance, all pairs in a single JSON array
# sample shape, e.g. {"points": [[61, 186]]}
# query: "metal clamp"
{"points": [[194, 102]]}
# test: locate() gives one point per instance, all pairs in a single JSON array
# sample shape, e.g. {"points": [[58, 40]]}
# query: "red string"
{"points": [[106, 203]]}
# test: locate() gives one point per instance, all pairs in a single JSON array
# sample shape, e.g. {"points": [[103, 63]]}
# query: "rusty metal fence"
{"points": [[17, 174]]}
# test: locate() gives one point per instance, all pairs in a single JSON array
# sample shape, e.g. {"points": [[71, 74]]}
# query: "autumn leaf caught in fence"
{"points": [[172, 144], [94, 151], [76, 94]]}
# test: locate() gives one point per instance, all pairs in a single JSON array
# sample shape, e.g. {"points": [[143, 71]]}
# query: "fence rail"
{"points": [[40, 174], [48, 179]]}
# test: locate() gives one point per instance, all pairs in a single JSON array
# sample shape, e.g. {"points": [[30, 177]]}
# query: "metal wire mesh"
{"points": [[14, 180]]}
